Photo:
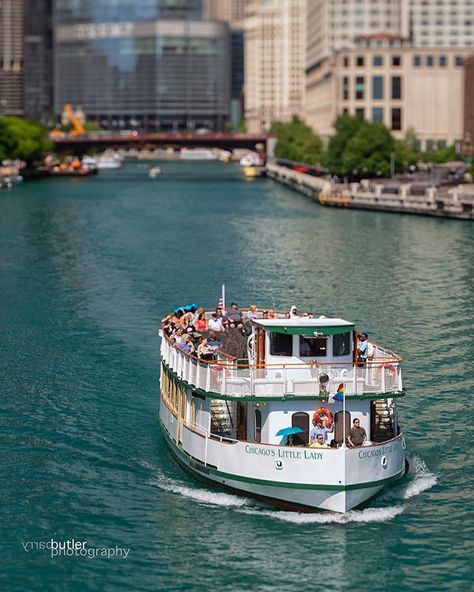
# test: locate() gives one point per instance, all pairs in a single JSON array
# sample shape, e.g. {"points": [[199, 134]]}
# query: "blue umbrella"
{"points": [[289, 431]]}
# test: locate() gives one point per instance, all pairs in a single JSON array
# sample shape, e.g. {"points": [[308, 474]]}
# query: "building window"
{"points": [[359, 112], [396, 87], [377, 115], [341, 343], [396, 119], [281, 344], [345, 111], [377, 60], [377, 87], [442, 60], [346, 62], [360, 61], [430, 61], [396, 60], [345, 88], [458, 61], [360, 88], [313, 346], [417, 61], [258, 425]]}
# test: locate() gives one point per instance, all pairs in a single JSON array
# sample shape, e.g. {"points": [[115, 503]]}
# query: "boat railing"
{"points": [[230, 377]]}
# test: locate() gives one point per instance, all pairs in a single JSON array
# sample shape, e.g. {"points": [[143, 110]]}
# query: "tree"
{"points": [[296, 141], [369, 151], [22, 139], [346, 127], [359, 148]]}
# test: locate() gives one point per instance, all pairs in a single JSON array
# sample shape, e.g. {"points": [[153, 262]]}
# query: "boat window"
{"points": [[300, 420], [341, 344], [313, 346], [258, 425], [281, 344]]}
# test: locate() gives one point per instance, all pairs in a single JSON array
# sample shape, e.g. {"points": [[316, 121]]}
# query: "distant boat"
{"points": [[109, 160], [154, 172], [251, 172], [251, 159], [197, 154]]}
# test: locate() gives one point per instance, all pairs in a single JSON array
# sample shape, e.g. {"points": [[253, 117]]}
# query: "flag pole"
{"points": [[223, 298], [344, 418]]}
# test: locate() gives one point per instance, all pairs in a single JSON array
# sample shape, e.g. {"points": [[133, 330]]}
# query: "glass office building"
{"points": [[150, 64]]}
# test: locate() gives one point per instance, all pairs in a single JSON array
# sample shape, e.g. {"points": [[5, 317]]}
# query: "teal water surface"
{"points": [[88, 267]]}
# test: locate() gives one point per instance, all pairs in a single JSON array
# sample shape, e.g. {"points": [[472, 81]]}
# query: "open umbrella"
{"points": [[289, 431]]}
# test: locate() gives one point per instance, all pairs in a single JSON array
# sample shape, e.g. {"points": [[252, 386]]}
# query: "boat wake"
{"points": [[201, 495], [420, 479], [367, 515]]}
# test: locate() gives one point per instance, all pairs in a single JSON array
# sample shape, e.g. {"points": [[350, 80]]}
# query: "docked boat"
{"points": [[197, 154], [109, 160], [252, 172], [249, 423]]}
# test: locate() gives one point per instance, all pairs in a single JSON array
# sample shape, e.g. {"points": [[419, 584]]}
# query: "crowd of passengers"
{"points": [[194, 333]]}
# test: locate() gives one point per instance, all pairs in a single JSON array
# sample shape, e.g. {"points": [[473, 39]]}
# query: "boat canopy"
{"points": [[305, 326]]}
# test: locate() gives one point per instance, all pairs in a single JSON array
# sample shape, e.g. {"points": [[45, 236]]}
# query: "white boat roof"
{"points": [[305, 325]]}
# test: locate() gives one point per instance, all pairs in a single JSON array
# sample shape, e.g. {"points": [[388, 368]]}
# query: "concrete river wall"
{"points": [[456, 202]]}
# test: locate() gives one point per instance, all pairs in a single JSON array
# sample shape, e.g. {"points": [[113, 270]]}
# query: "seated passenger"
{"points": [[319, 442], [186, 345], [316, 430], [271, 314], [294, 312], [235, 315], [215, 323], [201, 322], [204, 351], [357, 435], [252, 313], [214, 341]]}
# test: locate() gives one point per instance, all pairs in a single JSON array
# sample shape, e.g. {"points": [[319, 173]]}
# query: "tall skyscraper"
{"points": [[275, 42], [439, 23], [230, 11], [334, 24], [152, 65], [38, 59], [11, 57]]}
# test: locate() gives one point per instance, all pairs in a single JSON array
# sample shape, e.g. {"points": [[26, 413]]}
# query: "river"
{"points": [[87, 269]]}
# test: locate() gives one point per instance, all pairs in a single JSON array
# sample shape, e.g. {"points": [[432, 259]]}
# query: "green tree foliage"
{"points": [[359, 147], [296, 141], [22, 139]]}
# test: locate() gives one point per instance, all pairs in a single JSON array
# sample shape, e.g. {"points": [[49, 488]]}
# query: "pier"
{"points": [[455, 202]]}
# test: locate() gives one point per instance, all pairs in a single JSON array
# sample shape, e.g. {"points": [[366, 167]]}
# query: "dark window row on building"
{"points": [[378, 115], [377, 88]]}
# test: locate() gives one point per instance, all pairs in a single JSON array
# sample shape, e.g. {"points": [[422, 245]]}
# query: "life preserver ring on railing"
{"points": [[390, 367], [323, 415]]}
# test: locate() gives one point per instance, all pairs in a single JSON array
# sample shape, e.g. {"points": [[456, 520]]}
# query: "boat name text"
{"points": [[283, 453]]}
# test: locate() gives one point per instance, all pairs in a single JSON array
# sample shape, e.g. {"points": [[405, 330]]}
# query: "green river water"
{"points": [[87, 269]]}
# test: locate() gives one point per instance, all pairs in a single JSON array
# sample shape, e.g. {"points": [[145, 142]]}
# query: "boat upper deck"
{"points": [[278, 357]]}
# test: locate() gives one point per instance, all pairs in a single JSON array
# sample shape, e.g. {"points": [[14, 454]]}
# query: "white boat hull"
{"points": [[304, 479]]}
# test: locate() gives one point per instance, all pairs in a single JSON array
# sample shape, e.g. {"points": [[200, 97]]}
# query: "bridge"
{"points": [[132, 139]]}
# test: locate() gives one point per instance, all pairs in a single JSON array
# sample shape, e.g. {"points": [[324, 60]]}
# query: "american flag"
{"points": [[221, 303]]}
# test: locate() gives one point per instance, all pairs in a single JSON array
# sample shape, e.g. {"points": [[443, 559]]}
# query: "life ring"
{"points": [[323, 415], [390, 367]]}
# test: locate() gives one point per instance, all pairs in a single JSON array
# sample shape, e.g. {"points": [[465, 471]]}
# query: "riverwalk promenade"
{"points": [[455, 202]]}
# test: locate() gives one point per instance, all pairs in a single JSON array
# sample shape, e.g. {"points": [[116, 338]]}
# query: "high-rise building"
{"points": [[37, 60], [230, 11], [439, 23], [404, 87], [334, 24], [468, 136], [275, 43], [11, 57], [152, 65]]}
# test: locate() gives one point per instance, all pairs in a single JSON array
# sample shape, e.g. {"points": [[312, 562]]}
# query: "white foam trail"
{"points": [[423, 478], [367, 515], [420, 479], [197, 494], [205, 496]]}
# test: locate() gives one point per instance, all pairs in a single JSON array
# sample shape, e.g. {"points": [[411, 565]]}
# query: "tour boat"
{"points": [[244, 423], [109, 160], [197, 154]]}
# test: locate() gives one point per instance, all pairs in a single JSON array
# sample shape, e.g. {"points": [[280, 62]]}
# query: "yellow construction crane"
{"points": [[77, 127]]}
